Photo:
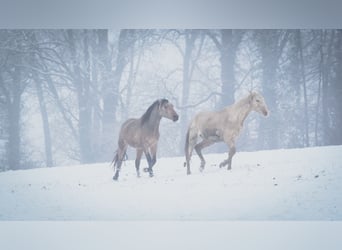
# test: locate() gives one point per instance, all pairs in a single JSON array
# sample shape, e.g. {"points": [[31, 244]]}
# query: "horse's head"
{"points": [[258, 103], [166, 110]]}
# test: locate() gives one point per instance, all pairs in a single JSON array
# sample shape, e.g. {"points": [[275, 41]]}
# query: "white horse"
{"points": [[224, 125]]}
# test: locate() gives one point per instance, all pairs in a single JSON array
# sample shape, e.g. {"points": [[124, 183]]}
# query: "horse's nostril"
{"points": [[175, 118]]}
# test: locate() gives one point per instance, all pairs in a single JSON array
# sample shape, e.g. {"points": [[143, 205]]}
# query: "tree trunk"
{"points": [[190, 38], [85, 111], [14, 122], [227, 47], [83, 98], [325, 93], [45, 120], [42, 105], [228, 53], [97, 67], [302, 67], [60, 106], [111, 91], [337, 91], [318, 101], [111, 95], [268, 44]]}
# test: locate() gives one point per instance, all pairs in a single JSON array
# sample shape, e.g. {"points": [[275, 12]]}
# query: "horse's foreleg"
{"points": [[232, 151], [149, 162], [154, 154], [153, 159], [228, 162], [198, 148], [150, 154], [137, 161]]}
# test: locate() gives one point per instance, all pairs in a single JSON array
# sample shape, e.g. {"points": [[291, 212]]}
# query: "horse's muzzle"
{"points": [[265, 112], [175, 118]]}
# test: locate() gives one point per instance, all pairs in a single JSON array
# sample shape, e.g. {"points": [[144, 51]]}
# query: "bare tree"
{"points": [[271, 44], [227, 45], [13, 81], [304, 84], [337, 91], [111, 91]]}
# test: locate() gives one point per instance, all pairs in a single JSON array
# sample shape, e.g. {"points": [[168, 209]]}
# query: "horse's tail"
{"points": [[115, 160]]}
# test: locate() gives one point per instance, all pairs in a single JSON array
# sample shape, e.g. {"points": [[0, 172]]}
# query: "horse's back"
{"points": [[130, 123], [207, 119]]}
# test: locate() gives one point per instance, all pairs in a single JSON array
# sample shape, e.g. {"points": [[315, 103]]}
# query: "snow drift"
{"points": [[293, 184]]}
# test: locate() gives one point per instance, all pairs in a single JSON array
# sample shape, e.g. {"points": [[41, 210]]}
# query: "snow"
{"points": [[291, 184]]}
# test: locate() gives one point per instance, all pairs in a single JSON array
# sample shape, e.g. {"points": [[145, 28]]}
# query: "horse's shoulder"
{"points": [[130, 122], [206, 114]]}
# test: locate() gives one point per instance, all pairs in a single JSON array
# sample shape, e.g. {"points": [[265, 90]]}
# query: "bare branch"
{"points": [[201, 101], [215, 40]]}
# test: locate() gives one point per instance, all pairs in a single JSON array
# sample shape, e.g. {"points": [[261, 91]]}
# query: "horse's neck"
{"points": [[241, 109], [153, 123]]}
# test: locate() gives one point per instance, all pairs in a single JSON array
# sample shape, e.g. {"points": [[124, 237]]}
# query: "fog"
{"points": [[65, 93]]}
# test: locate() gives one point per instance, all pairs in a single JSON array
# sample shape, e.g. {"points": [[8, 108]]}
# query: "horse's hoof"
{"points": [[115, 178], [146, 170], [151, 174], [201, 169], [229, 168], [188, 173], [221, 165]]}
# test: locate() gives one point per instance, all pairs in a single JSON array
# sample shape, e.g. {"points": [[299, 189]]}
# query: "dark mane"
{"points": [[146, 116]]}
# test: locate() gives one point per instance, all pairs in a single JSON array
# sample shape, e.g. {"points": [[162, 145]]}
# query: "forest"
{"points": [[65, 93]]}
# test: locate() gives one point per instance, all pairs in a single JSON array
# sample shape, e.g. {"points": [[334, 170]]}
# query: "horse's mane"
{"points": [[146, 116]]}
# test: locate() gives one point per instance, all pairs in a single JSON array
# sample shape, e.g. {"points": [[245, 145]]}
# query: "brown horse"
{"points": [[143, 134], [224, 125]]}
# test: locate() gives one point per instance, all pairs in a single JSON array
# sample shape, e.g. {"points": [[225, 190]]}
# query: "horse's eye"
{"points": [[257, 100]]}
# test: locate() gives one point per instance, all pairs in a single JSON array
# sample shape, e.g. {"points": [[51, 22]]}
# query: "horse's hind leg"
{"points": [[149, 162], [188, 158], [192, 139], [198, 148], [117, 172], [121, 154], [137, 161]]}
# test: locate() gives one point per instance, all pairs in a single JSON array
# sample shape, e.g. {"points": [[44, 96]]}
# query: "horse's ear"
{"points": [[251, 93], [161, 102], [251, 96]]}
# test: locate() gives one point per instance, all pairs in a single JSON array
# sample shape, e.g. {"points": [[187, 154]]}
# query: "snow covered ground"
{"points": [[294, 184]]}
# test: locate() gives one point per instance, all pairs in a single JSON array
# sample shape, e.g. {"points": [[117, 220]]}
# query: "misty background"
{"points": [[65, 93]]}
